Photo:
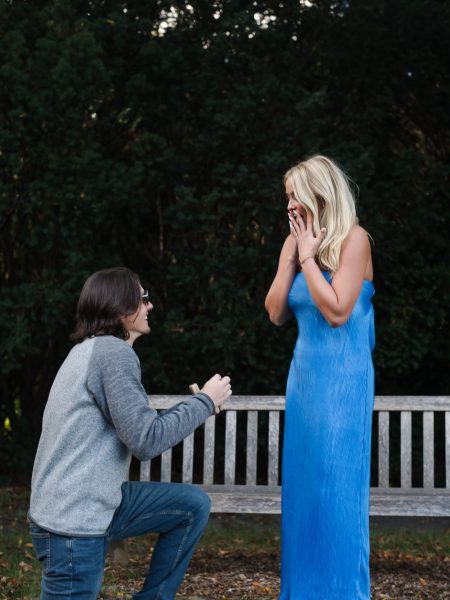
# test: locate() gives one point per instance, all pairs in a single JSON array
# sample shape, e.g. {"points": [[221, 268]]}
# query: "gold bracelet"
{"points": [[305, 259]]}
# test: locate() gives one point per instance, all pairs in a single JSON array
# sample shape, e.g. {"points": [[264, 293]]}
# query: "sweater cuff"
{"points": [[206, 399]]}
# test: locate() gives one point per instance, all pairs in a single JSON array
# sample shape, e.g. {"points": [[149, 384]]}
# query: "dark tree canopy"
{"points": [[155, 135]]}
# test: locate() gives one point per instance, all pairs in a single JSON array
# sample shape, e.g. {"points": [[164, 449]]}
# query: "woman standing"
{"points": [[324, 278]]}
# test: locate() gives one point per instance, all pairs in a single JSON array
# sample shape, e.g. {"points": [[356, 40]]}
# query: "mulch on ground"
{"points": [[229, 575]]}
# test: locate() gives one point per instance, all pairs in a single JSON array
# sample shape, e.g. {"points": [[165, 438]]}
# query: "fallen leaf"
{"points": [[25, 567]]}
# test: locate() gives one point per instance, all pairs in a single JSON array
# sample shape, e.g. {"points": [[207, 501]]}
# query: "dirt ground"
{"points": [[229, 575]]}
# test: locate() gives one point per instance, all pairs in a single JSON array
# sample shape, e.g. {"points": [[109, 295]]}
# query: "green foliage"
{"points": [[129, 139]]}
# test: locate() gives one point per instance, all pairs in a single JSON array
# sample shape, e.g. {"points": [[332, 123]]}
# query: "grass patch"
{"points": [[251, 533], [20, 573], [429, 544]]}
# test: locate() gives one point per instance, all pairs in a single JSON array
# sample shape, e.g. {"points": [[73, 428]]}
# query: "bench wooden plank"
{"points": [[163, 402], [166, 465], [393, 502], [208, 451], [383, 449], [244, 499], [414, 403], [188, 458], [144, 470], [252, 447], [405, 449], [415, 502], [428, 450], [447, 449], [274, 433], [382, 403], [230, 447]]}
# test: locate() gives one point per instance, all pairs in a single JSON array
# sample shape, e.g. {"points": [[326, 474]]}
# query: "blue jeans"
{"points": [[73, 566]]}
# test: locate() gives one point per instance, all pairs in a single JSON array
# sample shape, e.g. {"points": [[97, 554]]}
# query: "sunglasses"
{"points": [[144, 298]]}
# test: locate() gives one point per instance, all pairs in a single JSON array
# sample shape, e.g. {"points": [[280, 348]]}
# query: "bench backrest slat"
{"points": [[230, 447], [188, 458], [405, 449], [252, 447], [383, 449], [208, 450], [447, 449], [428, 449], [166, 465], [274, 436], [144, 471]]}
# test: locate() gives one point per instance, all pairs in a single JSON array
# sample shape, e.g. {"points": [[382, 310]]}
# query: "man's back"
{"points": [[81, 462]]}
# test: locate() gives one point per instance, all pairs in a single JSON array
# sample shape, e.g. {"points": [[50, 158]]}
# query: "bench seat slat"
{"points": [[393, 502], [244, 499], [415, 502]]}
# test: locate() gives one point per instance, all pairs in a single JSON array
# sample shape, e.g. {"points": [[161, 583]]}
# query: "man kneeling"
{"points": [[96, 417]]}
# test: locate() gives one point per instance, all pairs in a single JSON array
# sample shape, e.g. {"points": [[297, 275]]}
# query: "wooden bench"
{"points": [[229, 495], [238, 486]]}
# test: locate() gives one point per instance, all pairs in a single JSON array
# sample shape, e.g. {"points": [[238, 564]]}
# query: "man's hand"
{"points": [[218, 389]]}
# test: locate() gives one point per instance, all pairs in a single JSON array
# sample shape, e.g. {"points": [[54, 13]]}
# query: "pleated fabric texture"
{"points": [[326, 452]]}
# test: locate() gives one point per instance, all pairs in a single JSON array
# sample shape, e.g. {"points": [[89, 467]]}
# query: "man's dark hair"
{"points": [[107, 296]]}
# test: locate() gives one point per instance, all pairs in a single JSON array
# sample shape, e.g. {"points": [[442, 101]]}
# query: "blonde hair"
{"points": [[323, 189]]}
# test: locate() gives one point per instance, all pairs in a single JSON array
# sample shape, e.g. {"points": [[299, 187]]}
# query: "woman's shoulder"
{"points": [[356, 243], [358, 234], [358, 238]]}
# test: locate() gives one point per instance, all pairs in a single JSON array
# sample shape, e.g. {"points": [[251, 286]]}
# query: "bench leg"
{"points": [[119, 552]]}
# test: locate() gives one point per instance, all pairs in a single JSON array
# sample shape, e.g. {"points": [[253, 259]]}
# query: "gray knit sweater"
{"points": [[96, 416]]}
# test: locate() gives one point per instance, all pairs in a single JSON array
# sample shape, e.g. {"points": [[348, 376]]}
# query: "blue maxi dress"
{"points": [[326, 453]]}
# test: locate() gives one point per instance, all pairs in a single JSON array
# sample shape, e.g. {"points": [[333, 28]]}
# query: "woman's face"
{"points": [[294, 207]]}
